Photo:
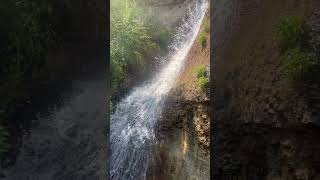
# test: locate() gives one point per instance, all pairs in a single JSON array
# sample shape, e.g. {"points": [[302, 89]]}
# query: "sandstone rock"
{"points": [[204, 116], [202, 139]]}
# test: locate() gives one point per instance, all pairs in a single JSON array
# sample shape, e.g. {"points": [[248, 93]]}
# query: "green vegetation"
{"points": [[136, 38], [129, 39], [289, 32], [292, 37], [204, 33], [203, 80], [203, 39], [298, 63], [201, 71]]}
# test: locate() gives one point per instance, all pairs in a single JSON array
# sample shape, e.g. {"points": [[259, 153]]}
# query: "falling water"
{"points": [[132, 124]]}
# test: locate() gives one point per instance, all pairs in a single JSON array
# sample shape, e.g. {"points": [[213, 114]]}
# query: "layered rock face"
{"points": [[182, 151], [263, 126]]}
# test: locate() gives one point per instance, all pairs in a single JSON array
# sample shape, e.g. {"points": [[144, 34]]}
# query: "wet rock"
{"points": [[204, 116], [303, 174], [306, 118], [283, 106], [271, 111]]}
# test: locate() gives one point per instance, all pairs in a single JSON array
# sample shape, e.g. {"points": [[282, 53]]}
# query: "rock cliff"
{"points": [[263, 125]]}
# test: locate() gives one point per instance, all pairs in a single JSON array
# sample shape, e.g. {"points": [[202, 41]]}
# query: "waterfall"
{"points": [[132, 123]]}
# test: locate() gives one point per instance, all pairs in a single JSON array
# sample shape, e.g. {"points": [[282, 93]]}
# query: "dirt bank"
{"points": [[264, 127]]}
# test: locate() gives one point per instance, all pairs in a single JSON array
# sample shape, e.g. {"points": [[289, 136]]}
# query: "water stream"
{"points": [[133, 122]]}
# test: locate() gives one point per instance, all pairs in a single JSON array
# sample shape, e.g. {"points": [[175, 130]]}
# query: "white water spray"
{"points": [[132, 123]]}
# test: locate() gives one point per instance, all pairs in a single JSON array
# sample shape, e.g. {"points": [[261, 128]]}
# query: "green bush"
{"points": [[289, 32], [203, 39], [201, 71], [297, 63], [203, 82], [131, 39], [201, 74]]}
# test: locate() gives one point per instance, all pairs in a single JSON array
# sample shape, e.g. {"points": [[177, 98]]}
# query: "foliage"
{"points": [[201, 71], [131, 43], [203, 39], [289, 32], [298, 63], [292, 36], [203, 82]]}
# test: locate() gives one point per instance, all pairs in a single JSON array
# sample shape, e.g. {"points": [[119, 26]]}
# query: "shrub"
{"points": [[297, 63], [289, 32], [131, 42], [203, 39], [203, 82], [201, 71]]}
